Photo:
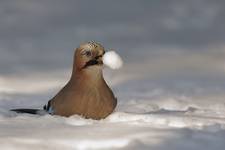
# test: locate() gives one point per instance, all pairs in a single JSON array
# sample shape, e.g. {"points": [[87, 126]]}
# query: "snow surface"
{"points": [[170, 90], [174, 113]]}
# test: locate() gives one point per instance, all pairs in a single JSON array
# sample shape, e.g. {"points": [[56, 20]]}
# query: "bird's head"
{"points": [[88, 56]]}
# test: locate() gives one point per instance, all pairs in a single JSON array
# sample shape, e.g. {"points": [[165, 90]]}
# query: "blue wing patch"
{"points": [[49, 108]]}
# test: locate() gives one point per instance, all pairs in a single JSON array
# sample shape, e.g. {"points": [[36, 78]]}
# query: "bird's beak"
{"points": [[99, 59], [95, 61]]}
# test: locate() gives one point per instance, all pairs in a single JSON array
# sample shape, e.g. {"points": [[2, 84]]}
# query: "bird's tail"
{"points": [[28, 111], [47, 109]]}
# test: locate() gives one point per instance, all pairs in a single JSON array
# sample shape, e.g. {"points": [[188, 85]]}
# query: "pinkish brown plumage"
{"points": [[86, 93]]}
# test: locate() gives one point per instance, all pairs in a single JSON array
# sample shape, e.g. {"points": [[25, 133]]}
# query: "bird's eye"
{"points": [[87, 53]]}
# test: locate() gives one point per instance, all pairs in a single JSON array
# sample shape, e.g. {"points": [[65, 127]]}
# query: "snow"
{"points": [[112, 60], [152, 113], [170, 90]]}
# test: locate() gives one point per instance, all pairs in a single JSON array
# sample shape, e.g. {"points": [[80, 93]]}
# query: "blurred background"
{"points": [[170, 48]]}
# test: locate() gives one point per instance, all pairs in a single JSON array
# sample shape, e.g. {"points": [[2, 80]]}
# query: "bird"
{"points": [[86, 93]]}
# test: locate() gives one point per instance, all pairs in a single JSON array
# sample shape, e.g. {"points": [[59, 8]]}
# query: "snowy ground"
{"points": [[171, 90], [170, 111]]}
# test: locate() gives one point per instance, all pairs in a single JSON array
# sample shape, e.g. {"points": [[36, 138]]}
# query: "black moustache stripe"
{"points": [[90, 63]]}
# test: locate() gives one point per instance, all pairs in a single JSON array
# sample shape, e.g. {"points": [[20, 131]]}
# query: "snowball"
{"points": [[112, 60]]}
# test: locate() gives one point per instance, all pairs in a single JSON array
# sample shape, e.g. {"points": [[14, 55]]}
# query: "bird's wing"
{"points": [[48, 107]]}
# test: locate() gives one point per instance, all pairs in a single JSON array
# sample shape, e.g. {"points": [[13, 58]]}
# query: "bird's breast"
{"points": [[95, 103], [90, 100]]}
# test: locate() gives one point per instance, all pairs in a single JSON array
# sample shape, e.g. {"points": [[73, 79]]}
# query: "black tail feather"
{"points": [[28, 111]]}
